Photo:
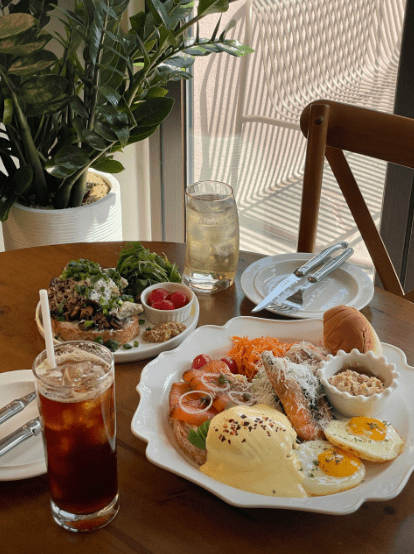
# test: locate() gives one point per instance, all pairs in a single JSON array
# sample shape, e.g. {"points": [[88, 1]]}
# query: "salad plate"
{"points": [[144, 350], [347, 285], [27, 459], [150, 422]]}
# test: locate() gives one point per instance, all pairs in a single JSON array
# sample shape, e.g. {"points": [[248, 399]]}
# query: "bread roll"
{"points": [[66, 330], [345, 328]]}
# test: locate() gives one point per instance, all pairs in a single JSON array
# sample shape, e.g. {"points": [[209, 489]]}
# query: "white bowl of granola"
{"points": [[358, 384]]}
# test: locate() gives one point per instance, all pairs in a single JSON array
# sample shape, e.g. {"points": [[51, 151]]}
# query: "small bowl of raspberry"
{"points": [[167, 302]]}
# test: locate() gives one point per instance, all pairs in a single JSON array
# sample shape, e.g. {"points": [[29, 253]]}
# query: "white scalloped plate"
{"points": [[150, 422]]}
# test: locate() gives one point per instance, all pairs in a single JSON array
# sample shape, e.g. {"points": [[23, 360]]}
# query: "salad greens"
{"points": [[198, 438], [142, 268]]}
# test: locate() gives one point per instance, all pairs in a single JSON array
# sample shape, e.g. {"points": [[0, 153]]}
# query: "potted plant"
{"points": [[64, 114]]}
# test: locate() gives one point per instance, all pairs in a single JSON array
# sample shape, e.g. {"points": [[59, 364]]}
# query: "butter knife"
{"points": [[298, 274], [30, 429], [16, 406]]}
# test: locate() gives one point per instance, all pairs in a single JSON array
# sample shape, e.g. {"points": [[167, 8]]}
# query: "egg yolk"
{"points": [[337, 463], [368, 427]]}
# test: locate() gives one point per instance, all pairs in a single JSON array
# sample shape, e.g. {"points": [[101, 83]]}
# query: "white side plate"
{"points": [[144, 350], [27, 459], [347, 285], [150, 422]]}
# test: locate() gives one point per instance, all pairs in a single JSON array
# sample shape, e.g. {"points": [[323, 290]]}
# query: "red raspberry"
{"points": [[156, 295], [179, 299], [163, 305]]}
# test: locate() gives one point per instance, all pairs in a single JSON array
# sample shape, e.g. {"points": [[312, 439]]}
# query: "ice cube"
{"points": [[74, 373]]}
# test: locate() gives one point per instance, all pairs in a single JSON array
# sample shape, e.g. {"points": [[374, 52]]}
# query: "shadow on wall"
{"points": [[264, 162]]}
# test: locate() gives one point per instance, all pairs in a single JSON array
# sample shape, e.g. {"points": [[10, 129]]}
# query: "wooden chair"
{"points": [[331, 128]]}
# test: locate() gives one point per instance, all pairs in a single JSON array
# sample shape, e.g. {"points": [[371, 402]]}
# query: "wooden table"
{"points": [[161, 512]]}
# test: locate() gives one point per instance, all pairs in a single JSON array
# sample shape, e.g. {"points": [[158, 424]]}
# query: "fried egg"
{"points": [[366, 437], [328, 469]]}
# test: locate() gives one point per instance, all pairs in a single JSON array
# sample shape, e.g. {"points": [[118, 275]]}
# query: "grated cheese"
{"points": [[263, 392]]}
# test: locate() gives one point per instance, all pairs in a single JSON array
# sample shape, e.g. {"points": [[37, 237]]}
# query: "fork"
{"points": [[295, 300]]}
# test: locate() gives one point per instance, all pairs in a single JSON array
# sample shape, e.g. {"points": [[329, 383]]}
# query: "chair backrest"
{"points": [[330, 128], [347, 51]]}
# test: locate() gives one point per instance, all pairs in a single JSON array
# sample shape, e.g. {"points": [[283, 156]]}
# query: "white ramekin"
{"points": [[162, 316], [360, 405]]}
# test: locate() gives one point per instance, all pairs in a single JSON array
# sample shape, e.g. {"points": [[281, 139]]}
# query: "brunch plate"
{"points": [[150, 422], [144, 350], [347, 285], [27, 459]]}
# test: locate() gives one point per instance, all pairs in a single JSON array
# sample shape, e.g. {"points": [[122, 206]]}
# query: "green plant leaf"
{"points": [[109, 166], [152, 111], [156, 92], [58, 171], [7, 111], [167, 38], [110, 94], [55, 107], [27, 43], [22, 179], [71, 157], [94, 140], [33, 63], [141, 133], [206, 7], [104, 130], [8, 162], [42, 88], [170, 73], [159, 13], [15, 24], [114, 116], [180, 60], [6, 203], [77, 105]]}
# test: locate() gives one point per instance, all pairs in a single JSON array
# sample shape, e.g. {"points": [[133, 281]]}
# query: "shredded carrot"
{"points": [[246, 353]]}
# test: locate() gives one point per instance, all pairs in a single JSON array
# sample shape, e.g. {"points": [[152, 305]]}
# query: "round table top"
{"points": [[161, 512]]}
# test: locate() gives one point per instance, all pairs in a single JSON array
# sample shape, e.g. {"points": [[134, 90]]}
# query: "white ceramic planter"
{"points": [[100, 221]]}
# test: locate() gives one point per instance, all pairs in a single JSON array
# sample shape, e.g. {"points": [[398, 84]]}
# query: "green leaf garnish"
{"points": [[198, 438]]}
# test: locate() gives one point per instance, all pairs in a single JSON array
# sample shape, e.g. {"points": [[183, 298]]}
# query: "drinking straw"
{"points": [[47, 326]]}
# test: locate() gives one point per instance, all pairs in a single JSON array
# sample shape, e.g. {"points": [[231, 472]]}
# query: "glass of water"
{"points": [[212, 248]]}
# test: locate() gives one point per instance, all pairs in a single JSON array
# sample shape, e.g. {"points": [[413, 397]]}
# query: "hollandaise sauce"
{"points": [[252, 448]]}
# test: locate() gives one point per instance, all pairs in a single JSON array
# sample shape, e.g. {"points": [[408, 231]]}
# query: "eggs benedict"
{"points": [[252, 448]]}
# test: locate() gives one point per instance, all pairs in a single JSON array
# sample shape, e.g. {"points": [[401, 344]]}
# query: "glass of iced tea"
{"points": [[212, 246], [77, 409]]}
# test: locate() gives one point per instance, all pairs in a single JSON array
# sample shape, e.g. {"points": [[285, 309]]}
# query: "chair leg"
{"points": [[364, 221], [312, 181]]}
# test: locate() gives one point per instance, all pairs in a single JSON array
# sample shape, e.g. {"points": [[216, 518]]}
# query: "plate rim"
{"points": [[148, 420], [362, 277]]}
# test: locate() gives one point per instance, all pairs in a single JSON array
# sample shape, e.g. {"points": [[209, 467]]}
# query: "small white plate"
{"points": [[144, 350], [27, 459], [347, 285], [150, 422]]}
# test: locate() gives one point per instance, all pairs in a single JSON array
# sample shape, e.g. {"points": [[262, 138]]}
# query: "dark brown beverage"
{"points": [[81, 452], [76, 398]]}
